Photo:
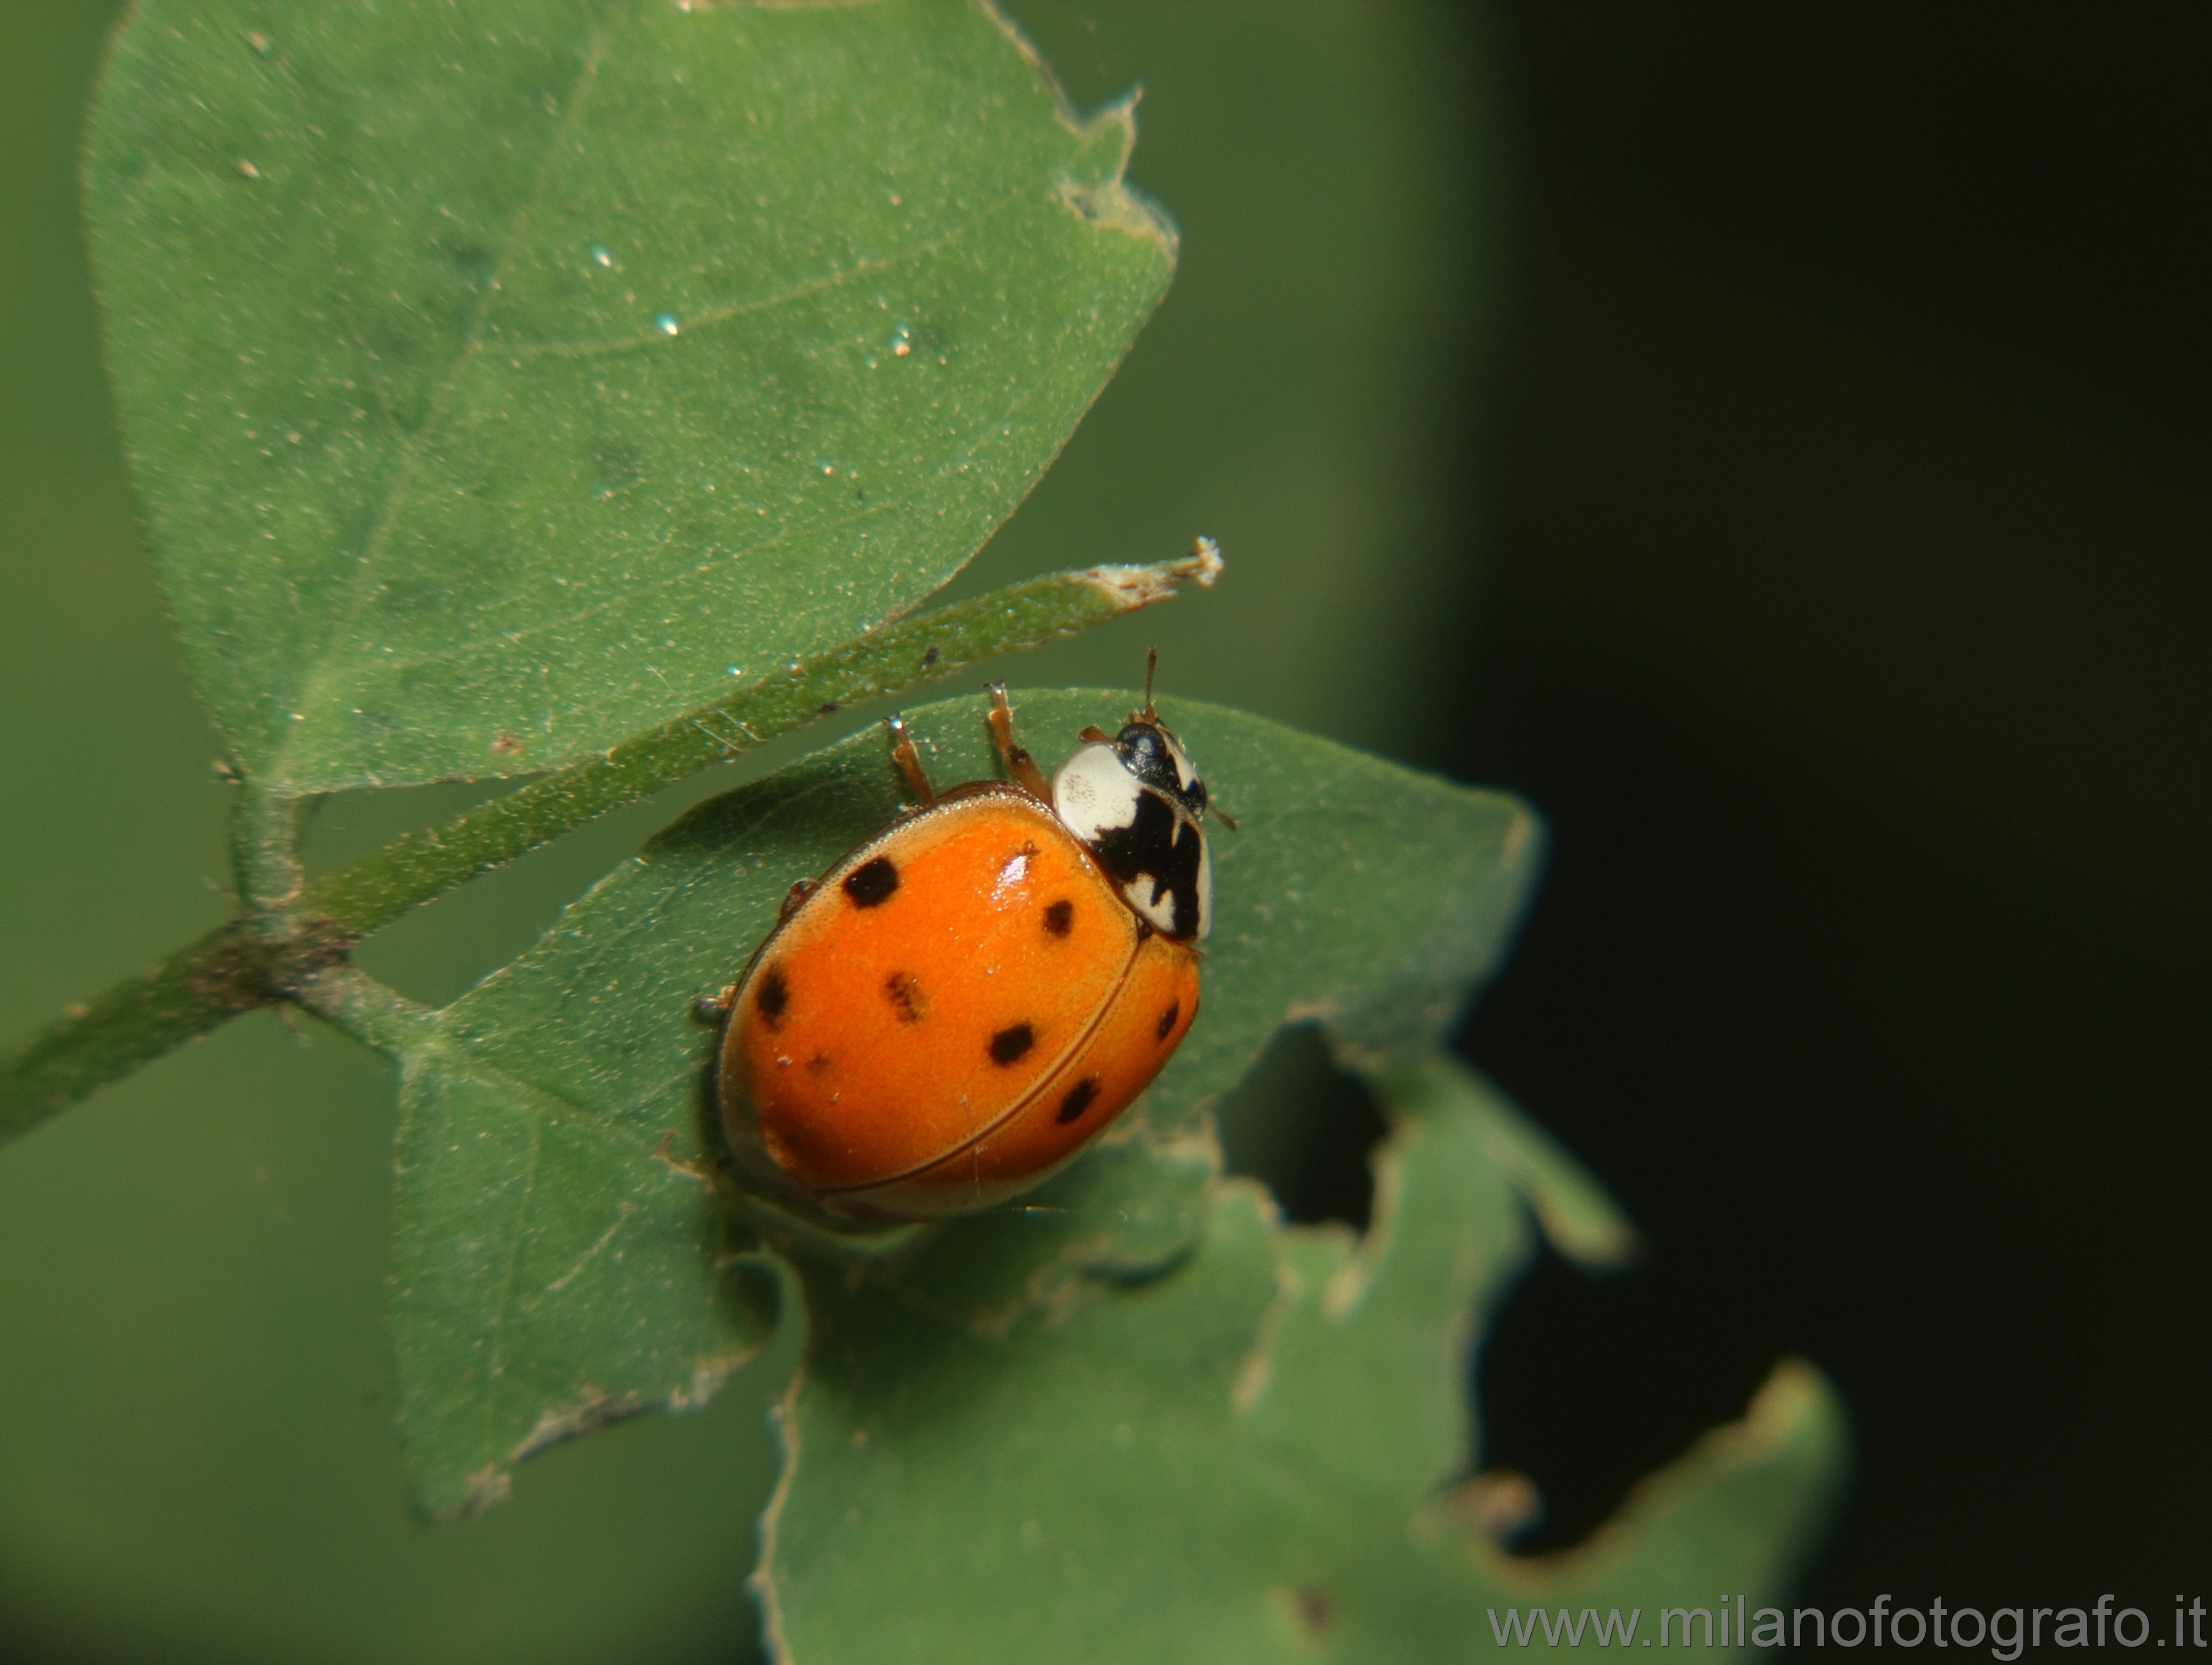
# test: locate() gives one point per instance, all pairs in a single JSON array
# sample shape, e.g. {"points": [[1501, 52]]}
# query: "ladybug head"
{"points": [[1156, 760]]}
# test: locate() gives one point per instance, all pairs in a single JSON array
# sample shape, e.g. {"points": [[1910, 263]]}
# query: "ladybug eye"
{"points": [[1145, 755], [1158, 764]]}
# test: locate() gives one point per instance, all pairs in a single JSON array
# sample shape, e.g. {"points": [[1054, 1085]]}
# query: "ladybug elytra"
{"points": [[956, 1008]]}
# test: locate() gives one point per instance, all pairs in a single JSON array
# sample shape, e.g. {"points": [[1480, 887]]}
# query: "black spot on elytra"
{"points": [[1078, 1099], [1059, 918], [870, 884], [772, 996], [1167, 1020], [906, 996], [1009, 1045]]}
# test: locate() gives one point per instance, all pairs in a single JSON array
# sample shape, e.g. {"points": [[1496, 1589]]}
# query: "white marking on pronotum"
{"points": [[1139, 892], [1093, 792], [1184, 773]]}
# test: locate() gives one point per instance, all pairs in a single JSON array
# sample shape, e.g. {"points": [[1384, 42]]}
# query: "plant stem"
{"points": [[375, 890], [264, 855], [132, 1023], [373, 1012], [292, 931], [199, 988]]}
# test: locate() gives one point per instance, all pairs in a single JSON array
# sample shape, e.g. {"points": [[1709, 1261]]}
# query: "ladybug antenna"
{"points": [[1152, 665]]}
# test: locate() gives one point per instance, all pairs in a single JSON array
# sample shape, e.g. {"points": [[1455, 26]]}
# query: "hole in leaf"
{"points": [[1305, 1129]]}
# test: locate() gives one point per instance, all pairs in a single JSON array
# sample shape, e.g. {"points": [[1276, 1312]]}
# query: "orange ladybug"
{"points": [[954, 1010]]}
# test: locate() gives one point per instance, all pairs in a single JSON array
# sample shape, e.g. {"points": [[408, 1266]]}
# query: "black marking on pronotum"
{"points": [[1008, 1044], [1059, 916], [906, 996], [1078, 1099], [1159, 845], [772, 996], [870, 884], [1167, 1020]]}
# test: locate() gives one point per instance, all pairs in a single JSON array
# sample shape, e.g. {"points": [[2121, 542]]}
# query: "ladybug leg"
{"points": [[908, 760], [1019, 763], [799, 891], [713, 1008], [1093, 735]]}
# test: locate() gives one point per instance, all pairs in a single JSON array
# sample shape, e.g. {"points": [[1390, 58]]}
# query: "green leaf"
{"points": [[499, 385], [555, 1270], [1247, 1458], [553, 1276], [1359, 895]]}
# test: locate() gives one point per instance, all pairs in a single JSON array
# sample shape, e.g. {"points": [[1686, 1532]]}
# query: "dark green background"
{"points": [[1775, 443]]}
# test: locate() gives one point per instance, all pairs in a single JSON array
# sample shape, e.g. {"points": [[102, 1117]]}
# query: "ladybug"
{"points": [[956, 1008]]}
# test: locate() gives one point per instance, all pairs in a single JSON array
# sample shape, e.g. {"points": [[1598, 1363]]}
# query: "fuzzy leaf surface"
{"points": [[500, 385], [554, 1272], [1248, 1458]]}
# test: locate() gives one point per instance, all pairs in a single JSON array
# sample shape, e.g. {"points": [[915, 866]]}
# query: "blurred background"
{"points": [[1773, 441]]}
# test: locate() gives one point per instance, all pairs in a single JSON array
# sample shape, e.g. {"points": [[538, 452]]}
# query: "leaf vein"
{"points": [[418, 444], [708, 318]]}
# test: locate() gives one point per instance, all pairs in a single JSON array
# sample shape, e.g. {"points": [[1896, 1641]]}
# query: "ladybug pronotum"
{"points": [[956, 1008]]}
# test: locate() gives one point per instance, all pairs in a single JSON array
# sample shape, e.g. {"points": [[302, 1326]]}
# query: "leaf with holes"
{"points": [[1250, 1457], [563, 1116], [498, 386]]}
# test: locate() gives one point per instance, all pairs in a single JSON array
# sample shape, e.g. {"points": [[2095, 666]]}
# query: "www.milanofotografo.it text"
{"points": [[2006, 1631]]}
